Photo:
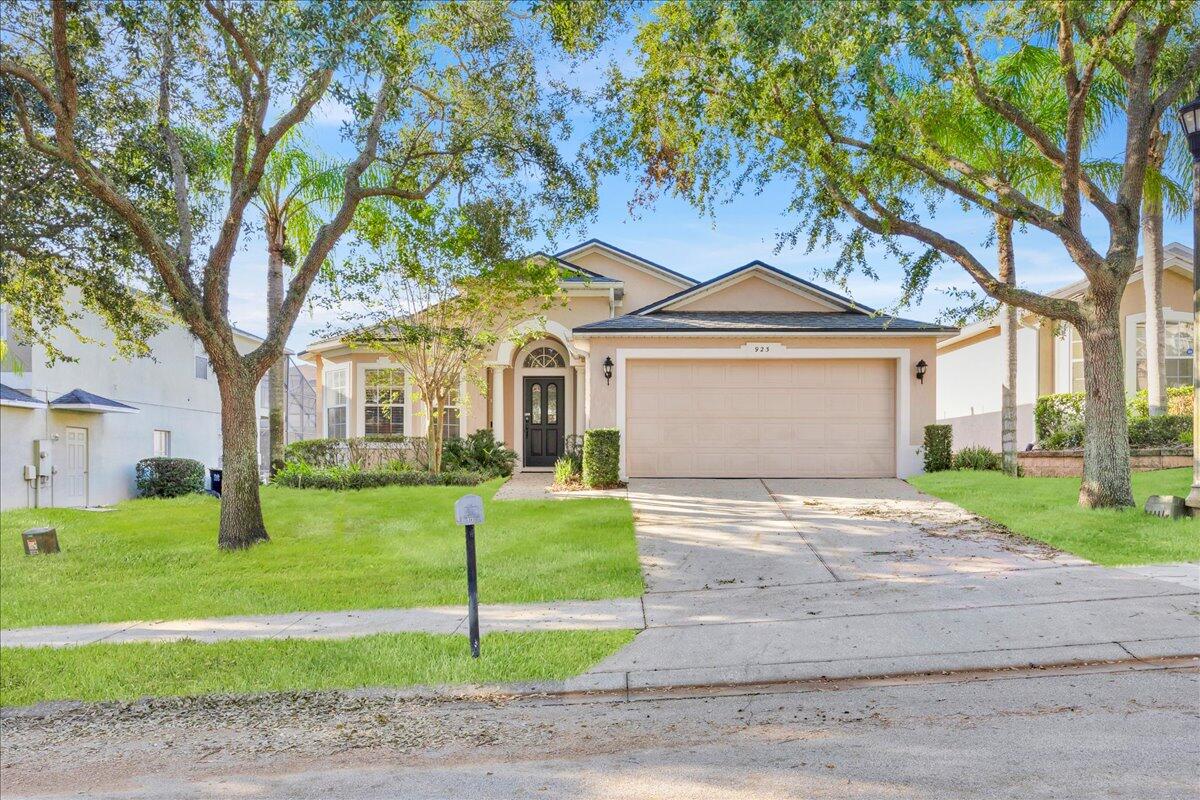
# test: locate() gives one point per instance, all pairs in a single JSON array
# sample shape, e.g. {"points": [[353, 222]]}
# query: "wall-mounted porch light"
{"points": [[608, 365], [921, 367]]}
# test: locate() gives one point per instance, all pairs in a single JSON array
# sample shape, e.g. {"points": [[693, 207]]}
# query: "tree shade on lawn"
{"points": [[394, 547], [1044, 509], [130, 671]]}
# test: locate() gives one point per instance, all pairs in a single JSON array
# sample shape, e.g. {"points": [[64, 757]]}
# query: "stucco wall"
{"points": [[641, 287], [163, 387], [968, 394], [751, 294]]}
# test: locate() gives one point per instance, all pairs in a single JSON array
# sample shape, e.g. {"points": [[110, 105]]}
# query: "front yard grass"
{"points": [[391, 547], [1047, 509], [130, 671]]}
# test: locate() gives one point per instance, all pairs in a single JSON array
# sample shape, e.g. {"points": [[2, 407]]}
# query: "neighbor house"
{"points": [[72, 432], [1050, 356], [753, 373]]}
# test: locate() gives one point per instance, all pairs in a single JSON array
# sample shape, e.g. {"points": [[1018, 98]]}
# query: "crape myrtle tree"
{"points": [[845, 102], [438, 94], [438, 288]]}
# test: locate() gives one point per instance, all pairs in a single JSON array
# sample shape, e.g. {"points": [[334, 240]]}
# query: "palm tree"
{"points": [[296, 184]]}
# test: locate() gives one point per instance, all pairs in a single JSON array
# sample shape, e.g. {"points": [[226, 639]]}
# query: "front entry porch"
{"points": [[537, 399]]}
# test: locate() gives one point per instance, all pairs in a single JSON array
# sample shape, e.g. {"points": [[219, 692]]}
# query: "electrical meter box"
{"points": [[42, 457]]}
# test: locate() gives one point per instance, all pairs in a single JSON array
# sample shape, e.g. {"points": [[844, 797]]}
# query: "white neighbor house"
{"points": [[71, 433], [1050, 357]]}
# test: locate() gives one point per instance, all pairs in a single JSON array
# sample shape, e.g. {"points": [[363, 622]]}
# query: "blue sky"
{"points": [[676, 235]]}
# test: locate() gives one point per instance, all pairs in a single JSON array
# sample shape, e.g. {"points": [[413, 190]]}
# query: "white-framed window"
{"points": [[335, 404], [1076, 356], [201, 367], [452, 418], [264, 393], [383, 401], [1177, 349], [162, 444]]}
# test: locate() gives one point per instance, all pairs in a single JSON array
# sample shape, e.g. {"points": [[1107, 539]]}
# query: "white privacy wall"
{"points": [[968, 390]]}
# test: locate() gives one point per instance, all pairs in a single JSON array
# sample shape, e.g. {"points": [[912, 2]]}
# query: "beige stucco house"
{"points": [[752, 373], [1050, 357]]}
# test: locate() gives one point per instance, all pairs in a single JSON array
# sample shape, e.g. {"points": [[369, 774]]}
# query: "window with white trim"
{"points": [[201, 367], [1076, 356], [162, 444], [452, 418], [335, 404], [1177, 349], [383, 402]]}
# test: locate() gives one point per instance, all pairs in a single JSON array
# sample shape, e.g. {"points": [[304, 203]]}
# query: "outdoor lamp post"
{"points": [[1189, 118]]}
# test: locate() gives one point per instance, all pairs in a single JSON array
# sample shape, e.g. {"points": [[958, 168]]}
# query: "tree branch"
{"points": [[178, 170]]}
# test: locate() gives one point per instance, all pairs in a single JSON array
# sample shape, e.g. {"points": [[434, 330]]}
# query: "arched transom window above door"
{"points": [[544, 358]]}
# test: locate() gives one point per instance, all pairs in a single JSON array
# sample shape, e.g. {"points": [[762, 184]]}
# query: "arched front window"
{"points": [[544, 358]]}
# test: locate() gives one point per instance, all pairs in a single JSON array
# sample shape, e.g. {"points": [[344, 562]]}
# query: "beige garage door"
{"points": [[745, 419]]}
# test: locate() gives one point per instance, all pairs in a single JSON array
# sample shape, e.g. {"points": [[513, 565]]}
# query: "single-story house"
{"points": [[72, 432], [754, 373], [1050, 356]]}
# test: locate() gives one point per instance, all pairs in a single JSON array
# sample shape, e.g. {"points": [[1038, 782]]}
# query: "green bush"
{"points": [[370, 453], [1067, 438], [1055, 413], [567, 470], [1163, 431], [1179, 401], [980, 458], [601, 458], [298, 475], [168, 477], [479, 452], [939, 445]]}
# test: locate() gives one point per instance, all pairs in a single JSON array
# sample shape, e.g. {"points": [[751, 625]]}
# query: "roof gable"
{"points": [[626, 258], [756, 284]]}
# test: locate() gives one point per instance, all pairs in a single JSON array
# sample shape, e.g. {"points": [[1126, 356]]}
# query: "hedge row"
{"points": [[342, 479]]}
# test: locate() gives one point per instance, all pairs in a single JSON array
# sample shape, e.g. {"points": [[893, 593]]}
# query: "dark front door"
{"points": [[544, 426]]}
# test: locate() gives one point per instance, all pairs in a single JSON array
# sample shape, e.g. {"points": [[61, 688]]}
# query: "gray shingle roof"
{"points": [[15, 395], [80, 397], [760, 321]]}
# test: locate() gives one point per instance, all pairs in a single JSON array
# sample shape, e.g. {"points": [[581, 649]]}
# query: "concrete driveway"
{"points": [[777, 580]]}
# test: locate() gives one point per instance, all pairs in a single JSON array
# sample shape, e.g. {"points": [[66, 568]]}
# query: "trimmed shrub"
{"points": [[980, 458], [168, 477], [1067, 438], [1163, 431], [479, 452], [939, 445], [601, 458], [1055, 413], [298, 475], [365, 452], [1179, 401], [567, 470]]}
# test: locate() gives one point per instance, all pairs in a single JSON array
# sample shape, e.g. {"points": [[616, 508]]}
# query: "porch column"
{"points": [[580, 390], [498, 402]]}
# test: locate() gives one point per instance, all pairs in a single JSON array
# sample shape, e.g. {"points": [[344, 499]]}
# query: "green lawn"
{"points": [[376, 548], [1047, 509], [129, 671]]}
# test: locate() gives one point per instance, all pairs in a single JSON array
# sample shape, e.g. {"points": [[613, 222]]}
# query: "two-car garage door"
{"points": [[777, 418]]}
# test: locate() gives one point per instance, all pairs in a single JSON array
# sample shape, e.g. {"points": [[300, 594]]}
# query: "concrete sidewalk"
{"points": [[575, 614], [784, 580]]}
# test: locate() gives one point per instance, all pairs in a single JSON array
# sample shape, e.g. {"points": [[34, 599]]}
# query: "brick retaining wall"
{"points": [[1069, 463]]}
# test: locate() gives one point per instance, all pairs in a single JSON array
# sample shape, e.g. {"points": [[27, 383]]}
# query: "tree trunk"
{"points": [[241, 512], [1008, 346], [433, 434], [1152, 270], [1106, 479], [277, 377]]}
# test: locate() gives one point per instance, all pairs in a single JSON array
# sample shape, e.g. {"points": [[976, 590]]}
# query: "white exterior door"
{"points": [[73, 476], [828, 418]]}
